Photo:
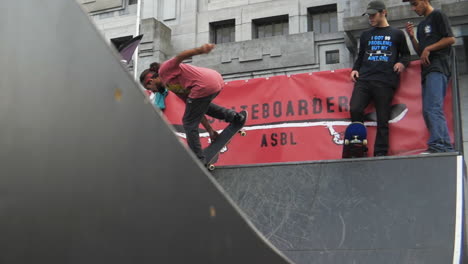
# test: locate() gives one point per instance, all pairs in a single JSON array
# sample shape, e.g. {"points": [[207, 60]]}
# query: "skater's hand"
{"points": [[206, 48], [398, 67], [425, 57], [354, 76], [410, 29], [213, 135]]}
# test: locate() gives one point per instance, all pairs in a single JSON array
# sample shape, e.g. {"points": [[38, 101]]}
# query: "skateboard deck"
{"points": [[212, 151], [355, 141]]}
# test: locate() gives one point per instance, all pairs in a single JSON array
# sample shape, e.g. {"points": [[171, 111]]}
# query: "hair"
{"points": [[154, 67], [143, 75]]}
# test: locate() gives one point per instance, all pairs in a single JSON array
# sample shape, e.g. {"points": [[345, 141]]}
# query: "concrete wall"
{"points": [[463, 82], [156, 43], [261, 54], [102, 5], [116, 23]]}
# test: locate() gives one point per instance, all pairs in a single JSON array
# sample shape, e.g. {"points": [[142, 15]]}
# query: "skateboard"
{"points": [[212, 151], [355, 141]]}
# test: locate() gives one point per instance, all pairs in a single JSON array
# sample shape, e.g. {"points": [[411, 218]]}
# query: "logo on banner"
{"points": [[291, 109]]}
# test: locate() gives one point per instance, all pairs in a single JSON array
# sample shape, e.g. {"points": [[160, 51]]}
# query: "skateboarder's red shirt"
{"points": [[201, 82]]}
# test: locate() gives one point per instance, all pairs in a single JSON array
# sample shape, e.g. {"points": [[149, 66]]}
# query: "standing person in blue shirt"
{"points": [[383, 55], [433, 45]]}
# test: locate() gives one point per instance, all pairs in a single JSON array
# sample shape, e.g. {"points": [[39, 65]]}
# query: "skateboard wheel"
{"points": [[242, 133], [364, 142], [346, 142], [211, 167]]}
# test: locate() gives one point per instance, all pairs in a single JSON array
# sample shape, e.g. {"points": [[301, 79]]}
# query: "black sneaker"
{"points": [[381, 154], [238, 118]]}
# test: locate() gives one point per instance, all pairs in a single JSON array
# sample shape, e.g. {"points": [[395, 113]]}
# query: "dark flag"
{"points": [[127, 49]]}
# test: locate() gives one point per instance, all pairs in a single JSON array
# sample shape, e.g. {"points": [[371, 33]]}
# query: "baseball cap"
{"points": [[374, 7]]}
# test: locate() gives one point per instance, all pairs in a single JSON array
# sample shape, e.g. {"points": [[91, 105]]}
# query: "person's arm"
{"points": [[414, 42], [204, 49], [404, 55], [441, 44], [442, 25], [206, 124], [358, 62]]}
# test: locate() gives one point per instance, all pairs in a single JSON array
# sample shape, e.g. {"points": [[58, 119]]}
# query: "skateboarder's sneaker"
{"points": [[239, 118]]}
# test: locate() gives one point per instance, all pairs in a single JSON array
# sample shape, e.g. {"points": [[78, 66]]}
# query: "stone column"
{"points": [[156, 43]]}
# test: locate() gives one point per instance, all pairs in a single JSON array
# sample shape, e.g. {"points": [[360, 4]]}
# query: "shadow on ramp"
{"points": [[366, 211], [90, 171]]}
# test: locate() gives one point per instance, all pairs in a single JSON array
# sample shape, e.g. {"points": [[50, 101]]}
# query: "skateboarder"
{"points": [[383, 55], [197, 86], [433, 45]]}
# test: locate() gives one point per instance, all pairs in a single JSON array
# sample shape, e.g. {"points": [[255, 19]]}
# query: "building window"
{"points": [[223, 31], [332, 56], [271, 26], [132, 2], [323, 19], [168, 9]]}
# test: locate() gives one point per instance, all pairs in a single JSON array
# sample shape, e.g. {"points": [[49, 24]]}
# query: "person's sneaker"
{"points": [[429, 151], [380, 154], [450, 150], [238, 118]]}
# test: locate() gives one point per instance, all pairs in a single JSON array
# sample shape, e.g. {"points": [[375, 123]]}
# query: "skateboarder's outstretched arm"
{"points": [[204, 49]]}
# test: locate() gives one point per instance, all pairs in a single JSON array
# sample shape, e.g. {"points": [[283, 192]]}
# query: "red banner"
{"points": [[303, 117]]}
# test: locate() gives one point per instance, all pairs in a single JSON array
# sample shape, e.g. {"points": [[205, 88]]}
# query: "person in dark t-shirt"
{"points": [[383, 55], [433, 45]]}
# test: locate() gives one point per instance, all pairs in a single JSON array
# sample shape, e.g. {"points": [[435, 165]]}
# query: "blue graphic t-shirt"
{"points": [[380, 49]]}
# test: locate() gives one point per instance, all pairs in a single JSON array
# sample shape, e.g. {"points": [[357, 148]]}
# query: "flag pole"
{"points": [[138, 22]]}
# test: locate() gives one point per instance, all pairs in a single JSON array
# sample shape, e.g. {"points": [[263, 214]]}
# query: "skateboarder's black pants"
{"points": [[381, 94], [195, 109]]}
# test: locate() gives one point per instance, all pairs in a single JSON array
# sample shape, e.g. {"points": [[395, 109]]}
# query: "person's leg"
{"points": [[423, 95], [434, 88], [221, 113], [359, 101], [195, 109], [382, 95]]}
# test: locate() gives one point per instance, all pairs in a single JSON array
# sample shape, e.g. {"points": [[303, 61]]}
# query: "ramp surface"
{"points": [[386, 211], [90, 172]]}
